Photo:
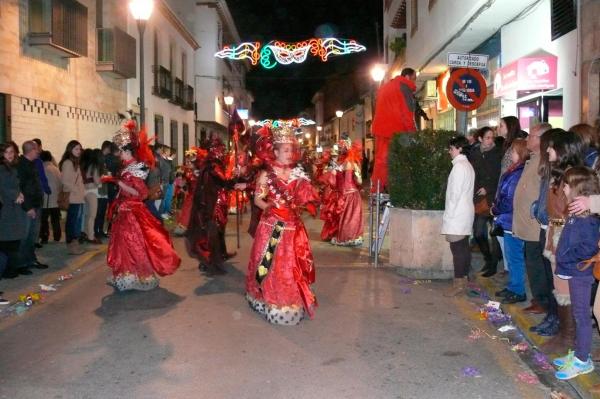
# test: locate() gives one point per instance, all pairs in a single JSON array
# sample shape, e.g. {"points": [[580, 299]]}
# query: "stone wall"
{"points": [[590, 61]]}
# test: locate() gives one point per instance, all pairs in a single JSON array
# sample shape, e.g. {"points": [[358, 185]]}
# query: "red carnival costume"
{"points": [[348, 180], [331, 205], [393, 115], [281, 268], [190, 175], [139, 245]]}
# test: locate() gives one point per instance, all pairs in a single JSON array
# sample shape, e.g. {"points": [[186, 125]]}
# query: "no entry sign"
{"points": [[466, 89]]}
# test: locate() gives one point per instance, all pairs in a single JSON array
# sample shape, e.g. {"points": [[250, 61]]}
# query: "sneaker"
{"points": [[551, 329], [561, 361], [513, 298], [574, 368], [503, 293], [4, 301], [549, 319]]}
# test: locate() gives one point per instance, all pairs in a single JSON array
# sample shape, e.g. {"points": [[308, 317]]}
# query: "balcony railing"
{"points": [[59, 26], [188, 98], [177, 92], [116, 53], [163, 84]]}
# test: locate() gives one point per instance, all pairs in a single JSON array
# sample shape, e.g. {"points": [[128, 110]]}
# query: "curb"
{"points": [[582, 384]]}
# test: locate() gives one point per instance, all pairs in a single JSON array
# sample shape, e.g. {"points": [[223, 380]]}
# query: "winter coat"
{"points": [[30, 185], [487, 170], [12, 216], [503, 204], [578, 242], [72, 181], [54, 182], [459, 211]]}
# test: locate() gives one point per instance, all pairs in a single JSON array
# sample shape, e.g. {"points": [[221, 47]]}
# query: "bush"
{"points": [[418, 172]]}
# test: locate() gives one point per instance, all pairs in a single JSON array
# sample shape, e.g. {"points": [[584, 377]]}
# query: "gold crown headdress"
{"points": [[284, 135]]}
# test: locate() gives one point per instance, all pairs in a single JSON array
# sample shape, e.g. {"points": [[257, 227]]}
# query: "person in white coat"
{"points": [[459, 212]]}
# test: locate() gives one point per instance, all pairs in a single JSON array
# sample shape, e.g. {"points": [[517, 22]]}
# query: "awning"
{"points": [[526, 74]]}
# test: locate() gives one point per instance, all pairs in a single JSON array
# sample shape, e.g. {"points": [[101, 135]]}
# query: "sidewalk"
{"points": [[582, 384], [60, 265]]}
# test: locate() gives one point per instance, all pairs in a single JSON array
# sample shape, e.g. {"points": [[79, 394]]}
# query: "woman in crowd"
{"points": [[92, 169], [565, 150], [72, 181], [139, 245], [51, 210], [281, 267], [578, 243], [459, 213], [509, 129], [102, 199], [486, 159], [503, 214], [12, 215], [589, 137]]}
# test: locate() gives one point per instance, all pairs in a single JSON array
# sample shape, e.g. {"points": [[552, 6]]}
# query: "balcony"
{"points": [[177, 92], [163, 84], [188, 98], [59, 26], [116, 53]]}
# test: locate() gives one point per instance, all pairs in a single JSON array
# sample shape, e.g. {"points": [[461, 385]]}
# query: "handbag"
{"points": [[482, 206]]}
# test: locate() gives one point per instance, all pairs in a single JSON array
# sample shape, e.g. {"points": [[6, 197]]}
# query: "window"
{"points": [[184, 67], [186, 137], [172, 59], [174, 137], [159, 128], [563, 17], [431, 4], [414, 16]]}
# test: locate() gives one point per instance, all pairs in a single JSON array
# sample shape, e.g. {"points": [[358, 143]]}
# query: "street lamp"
{"points": [[377, 73], [339, 114], [141, 11], [228, 100]]}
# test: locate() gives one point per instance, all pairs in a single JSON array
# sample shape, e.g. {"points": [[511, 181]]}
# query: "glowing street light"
{"points": [[339, 114], [307, 135], [319, 128], [377, 73], [228, 100], [141, 10], [252, 122]]}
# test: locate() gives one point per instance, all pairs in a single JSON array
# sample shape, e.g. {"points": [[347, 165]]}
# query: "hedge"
{"points": [[418, 172]]}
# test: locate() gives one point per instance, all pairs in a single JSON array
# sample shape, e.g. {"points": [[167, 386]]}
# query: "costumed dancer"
{"points": [[281, 268], [331, 197], [139, 246], [348, 180], [194, 156], [205, 236]]}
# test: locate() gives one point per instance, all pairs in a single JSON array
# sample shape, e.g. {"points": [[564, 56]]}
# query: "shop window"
{"points": [[563, 17], [414, 17], [159, 128]]}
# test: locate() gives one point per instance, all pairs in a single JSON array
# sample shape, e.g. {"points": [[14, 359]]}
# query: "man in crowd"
{"points": [[39, 164], [527, 228], [394, 114], [31, 187]]}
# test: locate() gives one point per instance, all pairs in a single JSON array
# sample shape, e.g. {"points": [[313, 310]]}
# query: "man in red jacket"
{"points": [[394, 114]]}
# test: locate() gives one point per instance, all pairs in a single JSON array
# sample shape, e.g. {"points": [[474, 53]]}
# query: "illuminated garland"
{"points": [[286, 122], [277, 52]]}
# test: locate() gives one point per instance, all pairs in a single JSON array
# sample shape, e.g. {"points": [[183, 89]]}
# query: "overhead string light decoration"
{"points": [[284, 53], [286, 122]]}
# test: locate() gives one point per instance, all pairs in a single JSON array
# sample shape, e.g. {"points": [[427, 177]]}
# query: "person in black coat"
{"points": [[486, 160]]}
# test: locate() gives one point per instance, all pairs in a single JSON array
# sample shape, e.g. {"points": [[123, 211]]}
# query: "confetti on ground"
{"points": [[476, 334], [493, 304], [406, 280], [405, 290], [520, 347], [421, 282], [528, 378], [47, 288], [542, 361], [470, 372], [506, 328], [64, 277]]}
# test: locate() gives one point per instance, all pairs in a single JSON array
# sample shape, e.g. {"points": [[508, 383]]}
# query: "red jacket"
{"points": [[395, 109]]}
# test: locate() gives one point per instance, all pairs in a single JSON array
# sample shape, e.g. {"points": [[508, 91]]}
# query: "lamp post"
{"points": [[141, 11], [339, 115], [318, 136]]}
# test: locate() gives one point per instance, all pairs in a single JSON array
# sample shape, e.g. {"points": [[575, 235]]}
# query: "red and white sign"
{"points": [[530, 73]]}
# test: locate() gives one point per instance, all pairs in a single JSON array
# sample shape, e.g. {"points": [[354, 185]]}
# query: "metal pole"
{"points": [[237, 202], [370, 219], [377, 228], [141, 26]]}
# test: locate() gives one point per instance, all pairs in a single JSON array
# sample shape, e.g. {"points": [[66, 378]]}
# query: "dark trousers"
{"points": [[539, 272], [54, 215], [27, 245], [488, 245], [461, 256], [580, 288], [3, 262], [11, 250], [73, 223], [100, 216]]}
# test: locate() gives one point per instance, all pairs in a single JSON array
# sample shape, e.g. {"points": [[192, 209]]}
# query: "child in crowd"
{"points": [[578, 243]]}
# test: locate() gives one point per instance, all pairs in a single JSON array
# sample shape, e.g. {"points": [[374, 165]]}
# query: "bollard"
{"points": [[377, 226]]}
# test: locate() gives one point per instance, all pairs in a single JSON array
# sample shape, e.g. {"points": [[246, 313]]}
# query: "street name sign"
{"points": [[466, 89], [461, 60]]}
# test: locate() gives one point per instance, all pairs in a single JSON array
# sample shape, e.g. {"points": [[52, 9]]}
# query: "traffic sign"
{"points": [[466, 89], [461, 60]]}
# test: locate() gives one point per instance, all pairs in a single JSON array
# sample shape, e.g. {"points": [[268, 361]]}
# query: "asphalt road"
{"points": [[195, 337]]}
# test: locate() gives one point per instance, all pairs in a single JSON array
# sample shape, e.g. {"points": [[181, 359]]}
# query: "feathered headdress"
{"points": [[128, 138]]}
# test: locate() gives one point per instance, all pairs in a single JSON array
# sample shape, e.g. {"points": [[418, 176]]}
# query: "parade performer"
{"points": [[348, 180], [205, 236], [139, 245], [194, 156], [331, 198], [281, 268]]}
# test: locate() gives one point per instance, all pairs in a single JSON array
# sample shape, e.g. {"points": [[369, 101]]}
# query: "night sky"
{"points": [[286, 90]]}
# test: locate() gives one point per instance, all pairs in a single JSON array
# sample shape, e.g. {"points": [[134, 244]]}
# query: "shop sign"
{"points": [[466, 89], [531, 73], [461, 60]]}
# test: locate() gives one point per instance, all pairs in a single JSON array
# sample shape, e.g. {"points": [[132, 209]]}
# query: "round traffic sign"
{"points": [[466, 89]]}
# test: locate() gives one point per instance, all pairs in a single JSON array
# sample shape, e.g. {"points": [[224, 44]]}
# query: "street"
{"points": [[195, 337]]}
